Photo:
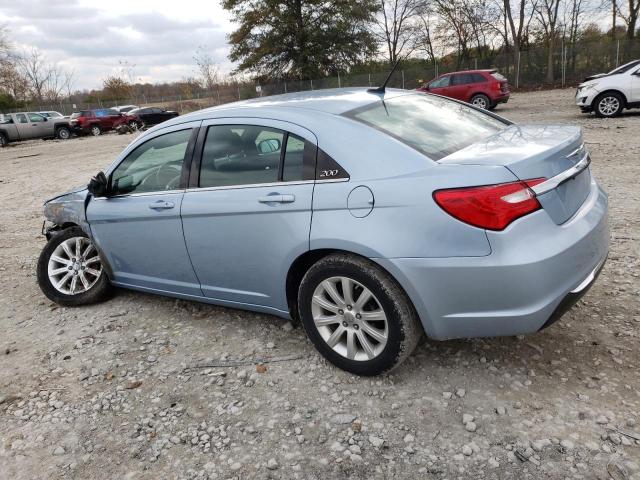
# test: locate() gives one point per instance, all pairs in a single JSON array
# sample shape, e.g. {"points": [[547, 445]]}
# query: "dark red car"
{"points": [[482, 88], [95, 121]]}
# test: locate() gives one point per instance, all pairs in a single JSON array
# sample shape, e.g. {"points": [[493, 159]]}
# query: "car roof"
{"points": [[334, 101]]}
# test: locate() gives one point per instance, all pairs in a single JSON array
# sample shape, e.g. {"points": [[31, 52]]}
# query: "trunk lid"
{"points": [[536, 151]]}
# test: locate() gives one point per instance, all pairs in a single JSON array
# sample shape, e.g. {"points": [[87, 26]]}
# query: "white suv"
{"points": [[608, 94]]}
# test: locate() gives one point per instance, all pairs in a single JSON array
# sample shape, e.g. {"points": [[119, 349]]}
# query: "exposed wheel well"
{"points": [[624, 98], [301, 265]]}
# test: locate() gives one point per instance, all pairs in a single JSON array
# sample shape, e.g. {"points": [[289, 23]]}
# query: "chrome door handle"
{"points": [[161, 205], [277, 199]]}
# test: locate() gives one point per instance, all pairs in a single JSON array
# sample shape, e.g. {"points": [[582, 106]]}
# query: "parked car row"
{"points": [[15, 127], [95, 122]]}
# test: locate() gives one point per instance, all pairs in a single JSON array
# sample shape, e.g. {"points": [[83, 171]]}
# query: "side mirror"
{"points": [[269, 146], [99, 185]]}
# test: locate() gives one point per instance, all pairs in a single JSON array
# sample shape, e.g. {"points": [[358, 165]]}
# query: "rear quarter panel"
{"points": [[405, 220]]}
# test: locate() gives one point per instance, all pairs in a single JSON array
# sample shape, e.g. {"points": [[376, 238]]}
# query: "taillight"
{"points": [[492, 207]]}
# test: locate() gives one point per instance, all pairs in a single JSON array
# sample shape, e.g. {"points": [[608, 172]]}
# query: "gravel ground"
{"points": [[121, 390]]}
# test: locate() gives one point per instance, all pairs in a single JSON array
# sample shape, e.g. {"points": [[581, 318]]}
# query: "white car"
{"points": [[125, 108], [608, 94]]}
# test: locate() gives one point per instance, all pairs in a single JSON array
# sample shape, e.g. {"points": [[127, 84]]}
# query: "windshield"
{"points": [[432, 125], [625, 68]]}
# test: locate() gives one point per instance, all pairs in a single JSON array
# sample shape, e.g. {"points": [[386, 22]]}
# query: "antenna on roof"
{"points": [[381, 89]]}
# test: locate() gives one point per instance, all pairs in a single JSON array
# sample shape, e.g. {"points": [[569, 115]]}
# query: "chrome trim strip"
{"points": [[576, 151], [587, 281], [554, 182], [249, 185], [141, 194]]}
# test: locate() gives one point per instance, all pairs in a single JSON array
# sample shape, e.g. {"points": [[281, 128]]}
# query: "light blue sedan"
{"points": [[371, 217]]}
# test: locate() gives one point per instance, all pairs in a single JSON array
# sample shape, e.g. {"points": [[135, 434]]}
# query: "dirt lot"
{"points": [[114, 390]]}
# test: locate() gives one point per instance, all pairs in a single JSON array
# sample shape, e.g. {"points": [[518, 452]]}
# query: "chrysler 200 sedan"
{"points": [[372, 217]]}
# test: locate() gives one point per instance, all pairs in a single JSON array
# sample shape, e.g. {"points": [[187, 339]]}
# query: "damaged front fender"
{"points": [[68, 209]]}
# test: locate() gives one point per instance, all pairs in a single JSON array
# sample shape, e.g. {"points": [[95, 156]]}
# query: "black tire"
{"points": [[608, 104], [404, 328], [3, 140], [95, 130], [63, 133], [101, 290], [480, 100]]}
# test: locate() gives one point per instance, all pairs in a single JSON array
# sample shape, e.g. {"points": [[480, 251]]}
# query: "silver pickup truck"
{"points": [[15, 127]]}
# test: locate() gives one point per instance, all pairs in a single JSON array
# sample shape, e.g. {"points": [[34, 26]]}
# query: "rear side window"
{"points": [[240, 155], [461, 79], [21, 118], [477, 78], [440, 82], [432, 125]]}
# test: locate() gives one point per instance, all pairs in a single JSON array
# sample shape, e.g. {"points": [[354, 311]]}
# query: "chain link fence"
{"points": [[570, 64]]}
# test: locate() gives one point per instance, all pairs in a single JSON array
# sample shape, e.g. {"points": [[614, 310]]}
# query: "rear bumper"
{"points": [[503, 98], [533, 273]]}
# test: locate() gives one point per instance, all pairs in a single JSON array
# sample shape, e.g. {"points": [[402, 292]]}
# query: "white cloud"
{"points": [[159, 37]]}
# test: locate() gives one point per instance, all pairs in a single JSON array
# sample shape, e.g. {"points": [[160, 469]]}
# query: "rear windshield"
{"points": [[434, 126], [499, 77]]}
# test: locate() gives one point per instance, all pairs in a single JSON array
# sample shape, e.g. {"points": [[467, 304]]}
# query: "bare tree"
{"points": [[630, 16], [33, 66], [397, 27], [519, 27], [547, 14], [208, 71]]}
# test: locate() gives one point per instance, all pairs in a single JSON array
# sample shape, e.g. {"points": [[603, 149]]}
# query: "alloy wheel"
{"points": [[95, 131], [480, 102], [349, 318], [75, 266], [63, 134], [609, 106]]}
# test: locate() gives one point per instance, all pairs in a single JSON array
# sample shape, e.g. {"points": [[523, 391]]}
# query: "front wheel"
{"points": [[480, 100], [609, 105], [70, 270], [357, 316]]}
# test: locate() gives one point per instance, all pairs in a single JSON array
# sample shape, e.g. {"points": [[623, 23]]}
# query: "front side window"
{"points": [[154, 166], [432, 125]]}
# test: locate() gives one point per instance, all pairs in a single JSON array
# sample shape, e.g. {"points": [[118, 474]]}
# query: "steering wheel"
{"points": [[166, 175]]}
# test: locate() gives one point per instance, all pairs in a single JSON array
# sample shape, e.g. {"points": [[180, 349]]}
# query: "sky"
{"points": [[158, 38]]}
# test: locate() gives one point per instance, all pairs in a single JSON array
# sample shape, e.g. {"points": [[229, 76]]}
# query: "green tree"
{"points": [[300, 39]]}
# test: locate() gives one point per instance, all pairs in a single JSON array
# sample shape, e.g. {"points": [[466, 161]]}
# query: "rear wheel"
{"points": [[609, 104], [63, 133], [133, 125], [3, 140], [480, 100], [70, 270], [357, 316], [95, 130]]}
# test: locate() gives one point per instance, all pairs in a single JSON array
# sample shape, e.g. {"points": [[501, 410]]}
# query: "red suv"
{"points": [[482, 88], [95, 121]]}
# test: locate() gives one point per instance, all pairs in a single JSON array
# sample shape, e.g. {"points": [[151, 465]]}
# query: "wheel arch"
{"points": [[610, 90], [301, 265]]}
